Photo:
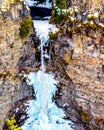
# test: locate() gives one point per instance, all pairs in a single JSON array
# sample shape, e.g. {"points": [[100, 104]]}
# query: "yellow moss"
{"points": [[11, 124], [72, 19], [90, 16], [85, 116], [67, 57], [54, 36], [0, 121], [91, 24]]}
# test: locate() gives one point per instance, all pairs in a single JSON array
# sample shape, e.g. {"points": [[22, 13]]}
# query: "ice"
{"points": [[42, 112], [43, 28]]}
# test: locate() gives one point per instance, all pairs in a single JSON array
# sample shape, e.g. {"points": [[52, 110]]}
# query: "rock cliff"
{"points": [[79, 54], [16, 53]]}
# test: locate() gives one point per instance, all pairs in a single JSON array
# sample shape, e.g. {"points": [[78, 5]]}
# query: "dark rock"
{"points": [[1, 93], [27, 61], [103, 68]]}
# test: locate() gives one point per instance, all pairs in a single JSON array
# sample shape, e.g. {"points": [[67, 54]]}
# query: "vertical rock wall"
{"points": [[12, 85], [80, 52], [84, 66]]}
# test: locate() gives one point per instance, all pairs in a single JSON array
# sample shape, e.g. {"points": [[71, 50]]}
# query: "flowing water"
{"points": [[42, 112]]}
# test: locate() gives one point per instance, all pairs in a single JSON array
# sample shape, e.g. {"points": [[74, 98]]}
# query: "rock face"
{"points": [[83, 62], [84, 66], [80, 56], [16, 55]]}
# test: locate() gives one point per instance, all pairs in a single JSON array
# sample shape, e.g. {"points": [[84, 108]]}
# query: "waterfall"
{"points": [[42, 112], [43, 28]]}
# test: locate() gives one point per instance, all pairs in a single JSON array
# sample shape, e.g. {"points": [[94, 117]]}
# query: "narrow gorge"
{"points": [[51, 65]]}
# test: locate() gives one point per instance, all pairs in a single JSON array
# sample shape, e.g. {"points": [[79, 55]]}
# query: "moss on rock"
{"points": [[54, 36], [11, 124]]}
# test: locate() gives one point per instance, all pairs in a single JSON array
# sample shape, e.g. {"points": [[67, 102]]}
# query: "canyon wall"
{"points": [[81, 58], [16, 53], [79, 54]]}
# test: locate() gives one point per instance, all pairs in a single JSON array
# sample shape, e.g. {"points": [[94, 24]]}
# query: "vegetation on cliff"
{"points": [[11, 124], [77, 17], [54, 36], [25, 27], [57, 12], [61, 4]]}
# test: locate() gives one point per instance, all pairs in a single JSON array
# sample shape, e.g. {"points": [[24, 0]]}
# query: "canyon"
{"points": [[77, 62]]}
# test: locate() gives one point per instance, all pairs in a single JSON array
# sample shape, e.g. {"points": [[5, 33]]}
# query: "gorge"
{"points": [[75, 59]]}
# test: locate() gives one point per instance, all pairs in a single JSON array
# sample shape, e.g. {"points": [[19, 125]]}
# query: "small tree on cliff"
{"points": [[25, 27]]}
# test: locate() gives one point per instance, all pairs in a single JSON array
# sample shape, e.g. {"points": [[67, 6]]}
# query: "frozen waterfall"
{"points": [[42, 112]]}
